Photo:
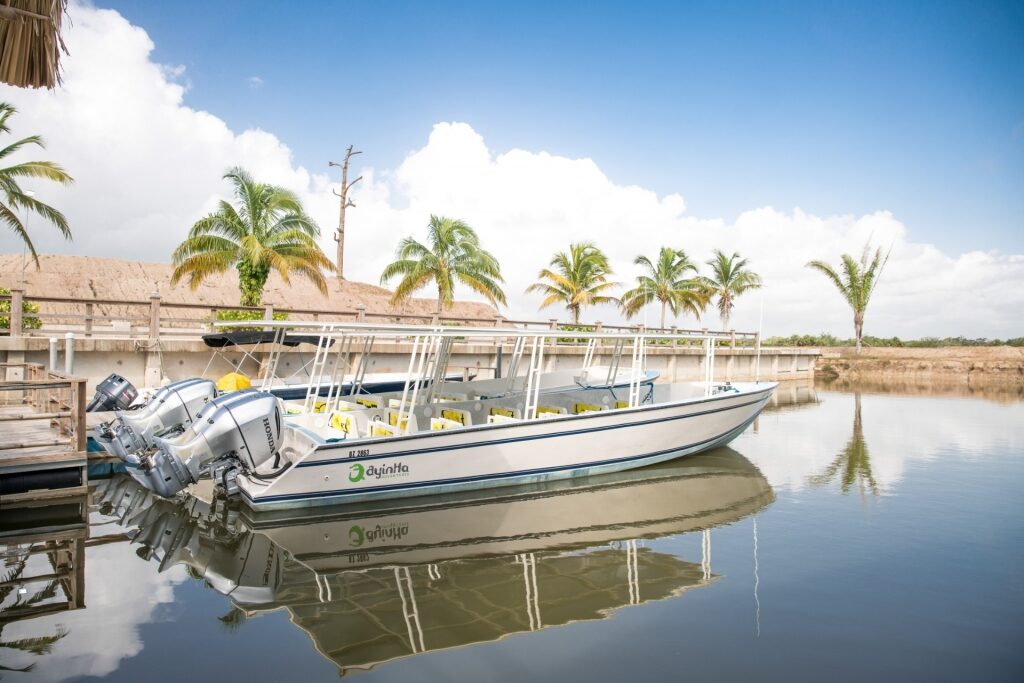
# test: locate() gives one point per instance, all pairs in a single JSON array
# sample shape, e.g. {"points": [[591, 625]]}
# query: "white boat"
{"points": [[431, 439]]}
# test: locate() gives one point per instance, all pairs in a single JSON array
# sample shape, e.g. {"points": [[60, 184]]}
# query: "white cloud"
{"points": [[147, 166], [254, 82]]}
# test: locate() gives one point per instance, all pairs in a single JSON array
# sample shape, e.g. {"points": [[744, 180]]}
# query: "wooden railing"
{"points": [[41, 395], [154, 318]]}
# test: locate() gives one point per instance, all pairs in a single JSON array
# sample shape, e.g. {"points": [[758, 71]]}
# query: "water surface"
{"points": [[849, 534]]}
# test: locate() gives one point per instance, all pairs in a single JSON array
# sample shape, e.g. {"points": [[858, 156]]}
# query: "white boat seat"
{"points": [[501, 419], [441, 423], [345, 424], [457, 415]]}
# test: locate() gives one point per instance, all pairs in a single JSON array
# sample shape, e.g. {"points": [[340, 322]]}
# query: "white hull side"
{"points": [[503, 455]]}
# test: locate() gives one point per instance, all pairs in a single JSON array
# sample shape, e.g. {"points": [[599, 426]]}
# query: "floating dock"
{"points": [[43, 451]]}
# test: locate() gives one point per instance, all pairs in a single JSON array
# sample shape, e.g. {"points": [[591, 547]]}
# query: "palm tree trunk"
{"points": [[858, 329], [662, 315], [575, 314]]}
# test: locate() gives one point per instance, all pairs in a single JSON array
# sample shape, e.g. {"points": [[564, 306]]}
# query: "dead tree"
{"points": [[339, 235]]}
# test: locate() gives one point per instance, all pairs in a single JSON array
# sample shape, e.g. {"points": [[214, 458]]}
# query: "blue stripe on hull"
{"points": [[502, 479]]}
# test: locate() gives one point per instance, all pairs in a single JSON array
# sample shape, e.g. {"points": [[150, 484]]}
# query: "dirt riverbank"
{"points": [[957, 364]]}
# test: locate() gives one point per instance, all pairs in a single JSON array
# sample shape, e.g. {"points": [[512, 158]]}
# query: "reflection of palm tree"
{"points": [[38, 646], [854, 461]]}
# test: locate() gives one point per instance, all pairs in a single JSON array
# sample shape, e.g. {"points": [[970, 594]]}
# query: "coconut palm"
{"points": [[729, 278], [856, 282], [666, 282], [579, 279], [17, 201], [454, 255], [265, 230]]}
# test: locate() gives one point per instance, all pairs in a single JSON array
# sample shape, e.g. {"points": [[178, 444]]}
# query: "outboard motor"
{"points": [[241, 429], [113, 393], [173, 407]]}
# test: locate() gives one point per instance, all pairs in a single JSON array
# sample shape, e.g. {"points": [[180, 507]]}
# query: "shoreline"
{"points": [[943, 365]]}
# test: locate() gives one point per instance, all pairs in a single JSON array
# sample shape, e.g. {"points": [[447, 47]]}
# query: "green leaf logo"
{"points": [[356, 536], [356, 473]]}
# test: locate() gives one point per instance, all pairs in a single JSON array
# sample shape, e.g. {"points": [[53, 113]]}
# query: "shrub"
{"points": [[28, 321], [238, 314]]}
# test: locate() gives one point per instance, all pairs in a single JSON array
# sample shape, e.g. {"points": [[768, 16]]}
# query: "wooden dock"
{"points": [[43, 451]]}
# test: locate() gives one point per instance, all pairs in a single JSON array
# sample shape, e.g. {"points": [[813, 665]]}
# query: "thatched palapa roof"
{"points": [[30, 42]]}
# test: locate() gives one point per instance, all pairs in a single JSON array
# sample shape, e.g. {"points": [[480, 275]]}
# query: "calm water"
{"points": [[846, 536]]}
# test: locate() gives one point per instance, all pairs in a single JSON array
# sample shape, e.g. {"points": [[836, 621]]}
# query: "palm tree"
{"points": [[666, 282], [856, 282], [729, 278], [454, 254], [265, 230], [579, 279], [15, 199]]}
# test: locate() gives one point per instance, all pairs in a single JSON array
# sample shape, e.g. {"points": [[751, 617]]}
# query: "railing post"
{"points": [[17, 297], [553, 323], [69, 353], [268, 315], [154, 316], [78, 413], [213, 320], [360, 312], [53, 354], [732, 339], [88, 319]]}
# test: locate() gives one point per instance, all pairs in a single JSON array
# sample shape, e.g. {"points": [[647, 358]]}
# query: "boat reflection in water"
{"points": [[370, 585]]}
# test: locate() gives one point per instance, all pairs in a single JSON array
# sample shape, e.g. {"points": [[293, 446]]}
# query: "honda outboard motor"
{"points": [[241, 429], [113, 393], [172, 408]]}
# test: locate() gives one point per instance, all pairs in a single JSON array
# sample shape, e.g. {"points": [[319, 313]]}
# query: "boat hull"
{"points": [[503, 455]]}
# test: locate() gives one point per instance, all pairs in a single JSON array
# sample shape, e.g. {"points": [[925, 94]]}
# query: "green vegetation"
{"points": [[15, 203], [577, 278], [267, 231], [28, 320], [729, 279], [667, 283], [829, 340], [454, 254], [856, 282], [238, 314]]}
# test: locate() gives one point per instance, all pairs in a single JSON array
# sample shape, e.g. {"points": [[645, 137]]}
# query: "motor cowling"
{"points": [[113, 393], [245, 427], [172, 408]]}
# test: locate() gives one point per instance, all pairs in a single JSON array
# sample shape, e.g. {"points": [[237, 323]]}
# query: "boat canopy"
{"points": [[251, 338]]}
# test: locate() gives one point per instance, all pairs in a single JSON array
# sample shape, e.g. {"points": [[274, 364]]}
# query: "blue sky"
{"points": [[834, 107]]}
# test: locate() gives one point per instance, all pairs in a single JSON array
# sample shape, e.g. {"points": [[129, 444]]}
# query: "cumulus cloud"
{"points": [[147, 165]]}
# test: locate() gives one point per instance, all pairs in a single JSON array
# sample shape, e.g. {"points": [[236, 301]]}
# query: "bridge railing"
{"points": [[153, 318]]}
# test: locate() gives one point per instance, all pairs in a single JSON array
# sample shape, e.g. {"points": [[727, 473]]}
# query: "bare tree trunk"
{"points": [[339, 235]]}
